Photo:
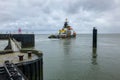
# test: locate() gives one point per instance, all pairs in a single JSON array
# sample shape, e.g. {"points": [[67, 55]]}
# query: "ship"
{"points": [[66, 32]]}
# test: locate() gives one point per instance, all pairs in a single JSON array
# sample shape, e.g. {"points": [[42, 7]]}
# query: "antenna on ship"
{"points": [[66, 23]]}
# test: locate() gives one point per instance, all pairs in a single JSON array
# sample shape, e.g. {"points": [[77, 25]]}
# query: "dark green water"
{"points": [[72, 59]]}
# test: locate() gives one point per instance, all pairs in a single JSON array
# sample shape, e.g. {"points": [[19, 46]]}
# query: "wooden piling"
{"points": [[94, 37]]}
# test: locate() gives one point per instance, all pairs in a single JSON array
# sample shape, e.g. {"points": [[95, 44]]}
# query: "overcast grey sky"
{"points": [[49, 15]]}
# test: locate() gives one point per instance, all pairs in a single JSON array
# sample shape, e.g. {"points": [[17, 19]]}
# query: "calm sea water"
{"points": [[74, 59]]}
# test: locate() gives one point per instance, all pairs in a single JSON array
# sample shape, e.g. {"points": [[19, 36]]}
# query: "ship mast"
{"points": [[66, 23]]}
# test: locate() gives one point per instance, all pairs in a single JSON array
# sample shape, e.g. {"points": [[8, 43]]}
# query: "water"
{"points": [[74, 59], [71, 59], [3, 44]]}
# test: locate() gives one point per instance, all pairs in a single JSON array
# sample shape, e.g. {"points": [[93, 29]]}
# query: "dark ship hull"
{"points": [[61, 36]]}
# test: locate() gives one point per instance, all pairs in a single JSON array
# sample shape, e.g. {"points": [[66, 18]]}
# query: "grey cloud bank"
{"points": [[49, 15]]}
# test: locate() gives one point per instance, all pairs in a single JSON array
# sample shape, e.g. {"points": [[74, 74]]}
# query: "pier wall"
{"points": [[27, 40], [33, 70]]}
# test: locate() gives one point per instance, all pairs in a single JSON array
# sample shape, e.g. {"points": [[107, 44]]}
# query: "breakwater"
{"points": [[27, 40]]}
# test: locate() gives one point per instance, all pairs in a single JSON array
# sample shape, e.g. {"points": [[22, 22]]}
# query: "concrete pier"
{"points": [[29, 62], [32, 67]]}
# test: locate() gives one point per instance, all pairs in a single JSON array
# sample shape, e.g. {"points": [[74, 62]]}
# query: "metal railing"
{"points": [[13, 72]]}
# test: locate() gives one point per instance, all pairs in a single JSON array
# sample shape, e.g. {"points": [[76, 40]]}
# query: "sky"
{"points": [[48, 16]]}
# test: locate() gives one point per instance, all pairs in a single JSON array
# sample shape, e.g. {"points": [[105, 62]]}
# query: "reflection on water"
{"points": [[94, 56], [67, 46], [74, 59]]}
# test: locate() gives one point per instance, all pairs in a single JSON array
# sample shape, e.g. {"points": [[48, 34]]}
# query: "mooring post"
{"points": [[20, 57], [94, 37], [29, 54]]}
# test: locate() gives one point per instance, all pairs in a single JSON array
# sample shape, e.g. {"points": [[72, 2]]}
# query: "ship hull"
{"points": [[61, 36]]}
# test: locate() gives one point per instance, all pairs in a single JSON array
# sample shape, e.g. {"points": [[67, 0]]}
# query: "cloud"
{"points": [[50, 15], [99, 5]]}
